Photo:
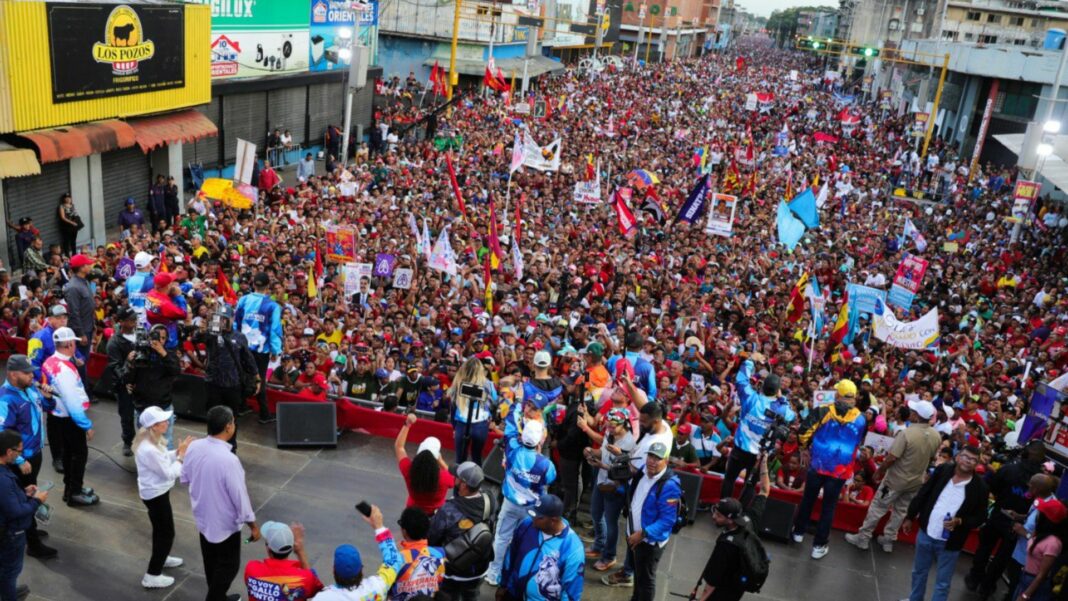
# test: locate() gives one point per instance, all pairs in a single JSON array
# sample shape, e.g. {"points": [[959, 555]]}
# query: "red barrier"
{"points": [[351, 416]]}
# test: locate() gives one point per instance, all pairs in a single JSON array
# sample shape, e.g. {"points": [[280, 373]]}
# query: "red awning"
{"points": [[62, 143], [184, 127]]}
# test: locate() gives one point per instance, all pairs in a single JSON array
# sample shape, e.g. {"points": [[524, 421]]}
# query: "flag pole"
{"points": [[811, 344]]}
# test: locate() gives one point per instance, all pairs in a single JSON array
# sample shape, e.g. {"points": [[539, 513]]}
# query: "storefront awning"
{"points": [[17, 162], [184, 127], [62, 143]]}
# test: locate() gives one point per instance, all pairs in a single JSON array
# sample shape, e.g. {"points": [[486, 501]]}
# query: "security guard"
{"points": [[17, 507]]}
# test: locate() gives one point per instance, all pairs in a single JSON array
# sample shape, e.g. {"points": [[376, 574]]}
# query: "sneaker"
{"points": [[585, 537], [57, 466], [886, 544], [798, 538], [618, 579], [161, 581], [819, 551], [172, 562], [244, 411], [82, 500], [971, 583], [604, 566], [270, 419], [127, 451], [857, 541], [591, 554], [492, 580], [22, 591]]}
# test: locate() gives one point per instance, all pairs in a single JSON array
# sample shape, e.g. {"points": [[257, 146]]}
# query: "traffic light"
{"points": [[866, 52]]}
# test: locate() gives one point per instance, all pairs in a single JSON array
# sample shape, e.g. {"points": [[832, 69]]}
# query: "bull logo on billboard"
{"points": [[124, 45]]}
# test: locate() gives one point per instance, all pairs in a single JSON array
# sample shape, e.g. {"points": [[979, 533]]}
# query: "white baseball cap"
{"points": [[154, 415], [925, 409], [142, 260], [432, 444], [533, 432], [542, 359], [64, 335]]}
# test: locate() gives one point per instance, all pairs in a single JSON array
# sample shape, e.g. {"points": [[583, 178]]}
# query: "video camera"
{"points": [[777, 432]]}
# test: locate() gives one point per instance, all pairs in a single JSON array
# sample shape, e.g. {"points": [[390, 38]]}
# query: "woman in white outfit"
{"points": [[157, 469]]}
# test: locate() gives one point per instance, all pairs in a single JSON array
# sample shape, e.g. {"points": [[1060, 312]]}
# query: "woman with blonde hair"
{"points": [[470, 421], [157, 469]]}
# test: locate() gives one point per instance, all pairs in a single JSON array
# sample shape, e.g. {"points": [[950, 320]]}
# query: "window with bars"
{"points": [[988, 39], [1017, 99], [973, 15]]}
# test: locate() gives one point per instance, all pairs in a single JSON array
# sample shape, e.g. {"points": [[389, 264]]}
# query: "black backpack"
{"points": [[472, 548], [682, 518], [755, 560]]}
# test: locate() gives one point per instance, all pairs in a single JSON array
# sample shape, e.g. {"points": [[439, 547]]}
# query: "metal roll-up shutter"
{"points": [[126, 173], [38, 197], [285, 109], [245, 117], [206, 150], [325, 107]]}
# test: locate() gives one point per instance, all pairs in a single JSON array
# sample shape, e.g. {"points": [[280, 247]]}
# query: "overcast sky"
{"points": [[764, 8]]}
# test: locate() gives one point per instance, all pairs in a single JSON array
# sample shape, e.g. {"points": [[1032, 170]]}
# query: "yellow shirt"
{"points": [[333, 338]]}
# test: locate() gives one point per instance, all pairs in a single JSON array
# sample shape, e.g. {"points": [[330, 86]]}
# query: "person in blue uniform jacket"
{"points": [[654, 497], [259, 318], [17, 506], [545, 561]]}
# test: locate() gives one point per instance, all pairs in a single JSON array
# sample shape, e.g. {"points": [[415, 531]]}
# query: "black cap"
{"points": [[261, 279], [633, 340], [771, 385], [729, 508]]}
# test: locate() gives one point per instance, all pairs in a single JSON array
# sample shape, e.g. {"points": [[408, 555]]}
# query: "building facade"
{"points": [[1002, 22]]}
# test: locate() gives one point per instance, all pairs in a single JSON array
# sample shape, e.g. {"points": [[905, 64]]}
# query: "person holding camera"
{"points": [[753, 421], [469, 551], [612, 463], [151, 369], [119, 347], [231, 373], [471, 414], [571, 441], [833, 433]]}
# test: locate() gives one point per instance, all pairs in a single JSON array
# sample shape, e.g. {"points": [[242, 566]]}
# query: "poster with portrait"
{"points": [[721, 211], [340, 244]]}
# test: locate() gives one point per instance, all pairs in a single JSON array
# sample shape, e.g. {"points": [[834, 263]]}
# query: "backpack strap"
{"points": [[485, 507]]}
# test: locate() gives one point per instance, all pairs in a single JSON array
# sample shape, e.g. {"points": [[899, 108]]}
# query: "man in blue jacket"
{"points": [[527, 476], [644, 374], [20, 410], [139, 285], [545, 558], [259, 318], [654, 498], [753, 421], [17, 506]]}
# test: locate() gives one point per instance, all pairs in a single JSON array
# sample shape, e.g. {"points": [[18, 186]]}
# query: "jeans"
{"points": [[461, 591], [33, 538], [1044, 591], [737, 461], [478, 435], [605, 509], [646, 558], [162, 519], [510, 516], [222, 561], [930, 552], [831, 487], [169, 434], [12, 552]]}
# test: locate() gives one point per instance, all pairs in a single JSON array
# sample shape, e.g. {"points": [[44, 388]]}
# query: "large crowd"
{"points": [[659, 339]]}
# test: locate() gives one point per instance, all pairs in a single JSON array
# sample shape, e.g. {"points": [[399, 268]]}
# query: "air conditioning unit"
{"points": [[919, 11], [893, 26]]}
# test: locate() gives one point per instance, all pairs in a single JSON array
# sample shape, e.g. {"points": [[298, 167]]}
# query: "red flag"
{"points": [[494, 238], [739, 64], [455, 185], [495, 82], [624, 216], [796, 307], [318, 263], [223, 287]]}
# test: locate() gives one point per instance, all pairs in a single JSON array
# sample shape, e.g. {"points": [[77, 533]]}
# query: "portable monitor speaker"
{"points": [[493, 466], [307, 425], [777, 521], [691, 492]]}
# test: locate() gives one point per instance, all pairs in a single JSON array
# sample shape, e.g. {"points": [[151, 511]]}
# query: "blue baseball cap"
{"points": [[347, 562], [548, 506]]}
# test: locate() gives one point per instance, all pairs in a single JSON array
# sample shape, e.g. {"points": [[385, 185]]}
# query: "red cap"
{"points": [[162, 279], [80, 261], [685, 429], [1053, 509]]}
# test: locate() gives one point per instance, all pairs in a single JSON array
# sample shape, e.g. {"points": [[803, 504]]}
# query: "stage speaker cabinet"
{"points": [[307, 424], [189, 397], [691, 492], [777, 521], [493, 465]]}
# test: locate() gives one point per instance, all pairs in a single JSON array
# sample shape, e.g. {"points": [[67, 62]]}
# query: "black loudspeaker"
{"points": [[777, 521], [691, 492], [307, 424], [190, 397], [493, 464]]}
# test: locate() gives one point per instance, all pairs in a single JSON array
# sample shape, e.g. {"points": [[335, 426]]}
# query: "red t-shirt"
{"points": [[319, 380], [427, 502], [271, 579]]}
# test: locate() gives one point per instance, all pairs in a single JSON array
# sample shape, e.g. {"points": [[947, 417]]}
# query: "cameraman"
{"points": [[119, 347], [230, 367], [151, 369], [570, 441], [753, 421]]}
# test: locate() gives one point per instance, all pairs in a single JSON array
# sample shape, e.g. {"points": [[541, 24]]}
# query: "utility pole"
{"points": [[454, 77], [638, 42]]}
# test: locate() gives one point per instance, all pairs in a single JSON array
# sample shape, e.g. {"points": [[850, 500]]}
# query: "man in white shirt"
{"points": [[655, 499], [949, 506]]}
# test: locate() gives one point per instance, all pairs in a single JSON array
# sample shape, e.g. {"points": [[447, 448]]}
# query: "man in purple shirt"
{"points": [[220, 502]]}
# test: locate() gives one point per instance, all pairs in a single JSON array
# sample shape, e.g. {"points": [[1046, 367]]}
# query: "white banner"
{"points": [[351, 273], [588, 192], [542, 158], [402, 278], [442, 257], [750, 102], [246, 158], [721, 215], [920, 334], [517, 261]]}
